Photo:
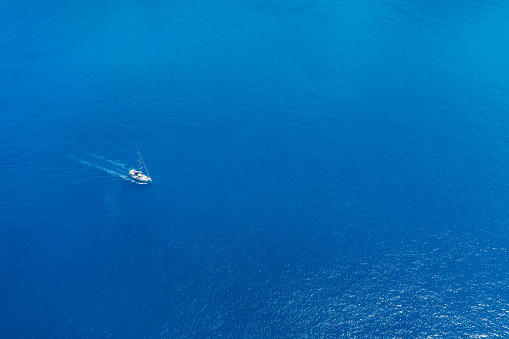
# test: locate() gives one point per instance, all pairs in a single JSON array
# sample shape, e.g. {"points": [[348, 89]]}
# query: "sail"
{"points": [[142, 163], [138, 175]]}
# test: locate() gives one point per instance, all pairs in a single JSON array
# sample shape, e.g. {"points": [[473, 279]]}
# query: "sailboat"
{"points": [[138, 174]]}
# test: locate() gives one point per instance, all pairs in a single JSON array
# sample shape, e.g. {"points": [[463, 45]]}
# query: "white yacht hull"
{"points": [[139, 176]]}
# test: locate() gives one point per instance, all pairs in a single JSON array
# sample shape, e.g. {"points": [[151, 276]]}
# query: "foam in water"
{"points": [[107, 170], [100, 157]]}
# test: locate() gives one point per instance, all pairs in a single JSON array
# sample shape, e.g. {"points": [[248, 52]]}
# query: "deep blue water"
{"points": [[321, 169]]}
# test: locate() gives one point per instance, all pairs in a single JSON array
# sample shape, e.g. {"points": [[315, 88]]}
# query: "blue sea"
{"points": [[321, 169]]}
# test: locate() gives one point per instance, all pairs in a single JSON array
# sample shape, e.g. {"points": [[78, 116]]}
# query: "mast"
{"points": [[143, 162]]}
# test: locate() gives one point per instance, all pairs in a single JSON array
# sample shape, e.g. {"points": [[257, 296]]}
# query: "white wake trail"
{"points": [[100, 157], [107, 170]]}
